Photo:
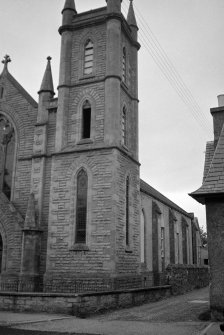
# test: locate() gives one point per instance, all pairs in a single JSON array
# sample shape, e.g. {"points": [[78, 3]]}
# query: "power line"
{"points": [[152, 45]]}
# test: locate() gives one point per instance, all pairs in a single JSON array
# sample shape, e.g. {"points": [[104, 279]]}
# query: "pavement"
{"points": [[180, 315]]}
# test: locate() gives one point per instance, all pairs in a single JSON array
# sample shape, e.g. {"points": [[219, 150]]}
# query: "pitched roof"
{"points": [[22, 91], [149, 190], [214, 178], [209, 153]]}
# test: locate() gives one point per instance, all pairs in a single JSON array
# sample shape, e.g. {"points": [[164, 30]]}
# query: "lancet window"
{"points": [[124, 126], [1, 252], [127, 237], [86, 120], [88, 58], [7, 152], [124, 65], [81, 207]]}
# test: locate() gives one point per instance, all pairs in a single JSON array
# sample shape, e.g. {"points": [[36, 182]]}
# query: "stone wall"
{"points": [[80, 304], [184, 278]]}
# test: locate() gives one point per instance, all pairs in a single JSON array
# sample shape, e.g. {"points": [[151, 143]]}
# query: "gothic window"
{"points": [[184, 240], [1, 92], [127, 237], [124, 126], [142, 234], [1, 253], [7, 151], [194, 243], [124, 65], [81, 207], [178, 247], [88, 58], [86, 120], [162, 246]]}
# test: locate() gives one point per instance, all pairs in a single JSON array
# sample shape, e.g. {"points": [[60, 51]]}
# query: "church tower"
{"points": [[94, 212]]}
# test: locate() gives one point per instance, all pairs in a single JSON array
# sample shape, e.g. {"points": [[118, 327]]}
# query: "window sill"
{"points": [[87, 76], [128, 250], [85, 141], [79, 247]]}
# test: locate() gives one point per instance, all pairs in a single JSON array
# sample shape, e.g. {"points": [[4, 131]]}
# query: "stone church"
{"points": [[74, 213]]}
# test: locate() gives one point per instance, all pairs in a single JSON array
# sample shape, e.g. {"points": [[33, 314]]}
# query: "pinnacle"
{"points": [[47, 82], [131, 15]]}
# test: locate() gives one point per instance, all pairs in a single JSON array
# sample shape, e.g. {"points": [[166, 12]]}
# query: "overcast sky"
{"points": [[172, 142]]}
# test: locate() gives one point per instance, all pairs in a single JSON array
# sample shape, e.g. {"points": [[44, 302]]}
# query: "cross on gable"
{"points": [[6, 60]]}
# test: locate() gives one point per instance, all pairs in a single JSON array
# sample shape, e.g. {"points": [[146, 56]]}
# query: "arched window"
{"points": [[81, 207], [127, 237], [162, 247], [88, 58], [7, 151], [124, 65], [1, 92], [1, 252], [124, 126], [142, 236], [86, 120]]}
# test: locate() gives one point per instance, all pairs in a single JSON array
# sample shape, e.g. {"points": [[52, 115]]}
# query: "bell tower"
{"points": [[94, 217]]}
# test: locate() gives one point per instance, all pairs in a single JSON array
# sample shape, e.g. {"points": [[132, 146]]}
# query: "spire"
{"points": [[30, 221], [47, 82], [5, 61], [131, 16], [69, 4]]}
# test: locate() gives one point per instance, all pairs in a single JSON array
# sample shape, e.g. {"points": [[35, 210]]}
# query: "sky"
{"points": [[172, 139]]}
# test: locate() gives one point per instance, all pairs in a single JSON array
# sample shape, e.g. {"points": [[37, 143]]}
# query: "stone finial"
{"points": [[47, 82]]}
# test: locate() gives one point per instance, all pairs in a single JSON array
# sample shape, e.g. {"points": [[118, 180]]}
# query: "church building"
{"points": [[74, 213]]}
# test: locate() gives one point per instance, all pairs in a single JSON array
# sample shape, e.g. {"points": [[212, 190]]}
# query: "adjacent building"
{"points": [[211, 194]]}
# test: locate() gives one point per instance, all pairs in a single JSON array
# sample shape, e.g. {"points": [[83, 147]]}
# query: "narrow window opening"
{"points": [[124, 65], [178, 248], [163, 248], [1, 92], [1, 252], [86, 120], [88, 58], [81, 207], [142, 237], [7, 152], [127, 213], [124, 126]]}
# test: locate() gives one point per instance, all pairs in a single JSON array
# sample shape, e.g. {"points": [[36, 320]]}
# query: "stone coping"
{"points": [[84, 294]]}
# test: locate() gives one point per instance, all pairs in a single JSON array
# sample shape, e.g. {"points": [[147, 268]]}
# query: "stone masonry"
{"points": [[75, 215]]}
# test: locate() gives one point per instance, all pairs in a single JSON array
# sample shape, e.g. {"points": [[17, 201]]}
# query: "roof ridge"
{"points": [[163, 198]]}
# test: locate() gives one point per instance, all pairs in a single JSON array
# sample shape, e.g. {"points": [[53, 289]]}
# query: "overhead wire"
{"points": [[152, 45]]}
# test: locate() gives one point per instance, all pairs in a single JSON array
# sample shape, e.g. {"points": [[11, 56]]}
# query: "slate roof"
{"points": [[213, 183], [210, 150], [22, 91], [149, 190]]}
